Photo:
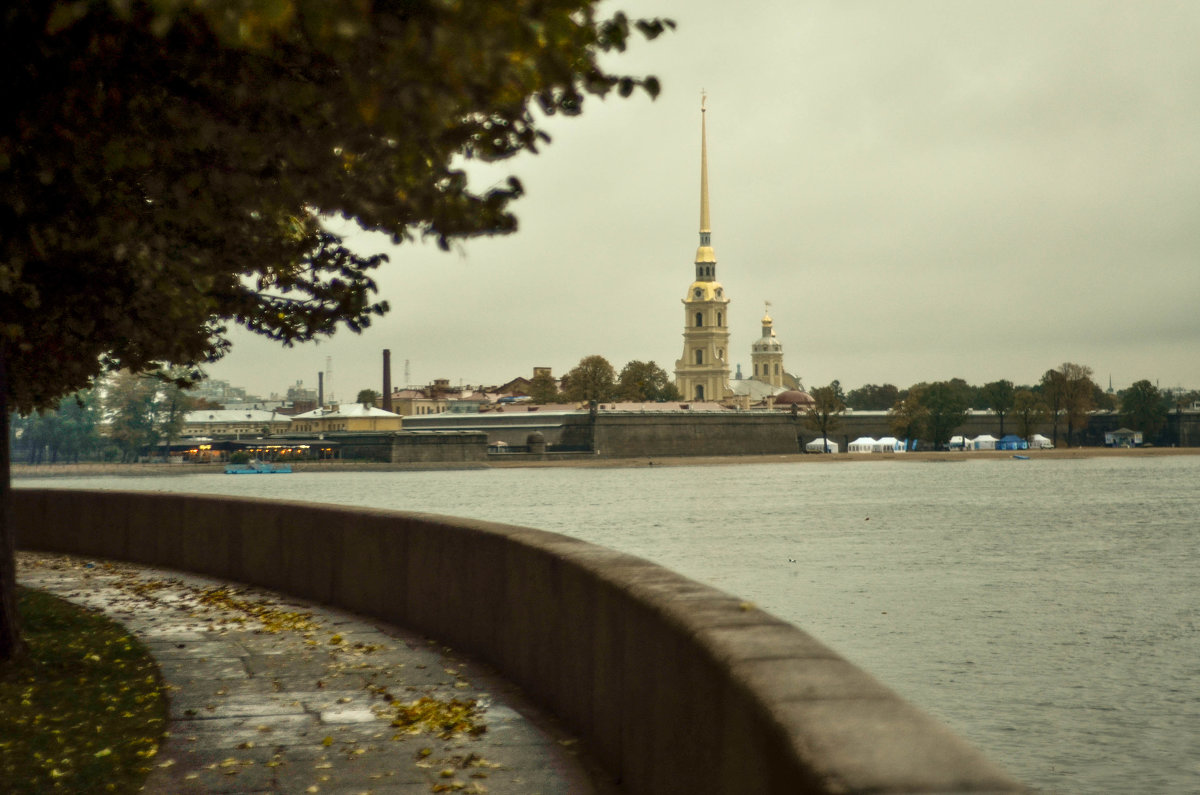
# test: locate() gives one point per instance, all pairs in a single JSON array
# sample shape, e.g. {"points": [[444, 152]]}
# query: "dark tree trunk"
{"points": [[11, 645]]}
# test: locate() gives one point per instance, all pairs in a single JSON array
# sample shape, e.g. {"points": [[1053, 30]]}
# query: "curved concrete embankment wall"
{"points": [[677, 687]]}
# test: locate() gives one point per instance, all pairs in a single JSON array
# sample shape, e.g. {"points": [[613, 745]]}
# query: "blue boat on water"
{"points": [[257, 468]]}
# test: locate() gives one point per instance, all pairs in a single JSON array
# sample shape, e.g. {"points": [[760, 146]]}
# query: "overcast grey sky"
{"points": [[923, 190]]}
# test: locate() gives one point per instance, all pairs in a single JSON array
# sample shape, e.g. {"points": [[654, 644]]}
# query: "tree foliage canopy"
{"points": [[144, 410], [165, 165], [1030, 411], [592, 379], [543, 387], [1144, 408], [65, 433], [645, 381], [873, 397], [945, 404], [825, 414], [1069, 390], [907, 418], [998, 396]]}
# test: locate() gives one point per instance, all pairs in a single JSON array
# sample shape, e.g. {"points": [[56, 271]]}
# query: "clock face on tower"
{"points": [[697, 292]]}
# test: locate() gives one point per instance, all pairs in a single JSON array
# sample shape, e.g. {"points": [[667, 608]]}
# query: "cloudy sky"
{"points": [[922, 190]]}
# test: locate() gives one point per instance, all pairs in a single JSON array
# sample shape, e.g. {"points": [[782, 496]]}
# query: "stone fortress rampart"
{"points": [[676, 687], [618, 434]]}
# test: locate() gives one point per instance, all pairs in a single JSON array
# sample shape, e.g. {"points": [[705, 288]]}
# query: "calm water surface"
{"points": [[1045, 609]]}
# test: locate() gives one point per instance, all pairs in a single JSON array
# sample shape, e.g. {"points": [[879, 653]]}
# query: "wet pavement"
{"points": [[271, 694]]}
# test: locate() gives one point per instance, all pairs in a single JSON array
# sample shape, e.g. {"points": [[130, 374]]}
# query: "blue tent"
{"points": [[1012, 442]]}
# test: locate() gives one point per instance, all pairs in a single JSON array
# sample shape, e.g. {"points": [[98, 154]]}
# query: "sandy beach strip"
{"points": [[20, 471]]}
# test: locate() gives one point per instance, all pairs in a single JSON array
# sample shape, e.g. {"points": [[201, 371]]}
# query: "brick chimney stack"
{"points": [[387, 380]]}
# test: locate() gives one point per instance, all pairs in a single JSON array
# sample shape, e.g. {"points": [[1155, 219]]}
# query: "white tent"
{"points": [[863, 444], [889, 444], [820, 445], [958, 442], [984, 441], [1039, 442]]}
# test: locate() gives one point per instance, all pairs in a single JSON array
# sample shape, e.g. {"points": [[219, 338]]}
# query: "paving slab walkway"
{"points": [[271, 694]]}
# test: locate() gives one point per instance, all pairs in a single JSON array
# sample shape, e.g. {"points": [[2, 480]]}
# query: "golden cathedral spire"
{"points": [[702, 373], [706, 258], [704, 223]]}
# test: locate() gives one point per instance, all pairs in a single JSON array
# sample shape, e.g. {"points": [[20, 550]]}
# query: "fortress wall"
{"points": [[728, 433], [680, 433], [677, 687], [742, 433], [439, 447], [365, 446], [403, 447], [512, 428]]}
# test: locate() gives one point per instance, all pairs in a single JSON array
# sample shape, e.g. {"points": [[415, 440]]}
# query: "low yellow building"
{"points": [[349, 417]]}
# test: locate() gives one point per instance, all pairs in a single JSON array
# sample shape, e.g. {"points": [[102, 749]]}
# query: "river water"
{"points": [[1046, 610]]}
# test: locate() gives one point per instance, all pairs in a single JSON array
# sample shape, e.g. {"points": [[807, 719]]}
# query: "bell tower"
{"points": [[703, 371], [766, 355]]}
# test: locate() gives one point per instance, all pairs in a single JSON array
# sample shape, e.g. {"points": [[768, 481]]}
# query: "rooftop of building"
{"points": [[234, 415], [345, 410]]}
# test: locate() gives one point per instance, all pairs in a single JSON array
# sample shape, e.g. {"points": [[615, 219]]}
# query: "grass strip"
{"points": [[85, 711]]}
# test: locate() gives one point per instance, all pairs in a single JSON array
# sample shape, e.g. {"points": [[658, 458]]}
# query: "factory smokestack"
{"points": [[387, 380], [320, 390]]}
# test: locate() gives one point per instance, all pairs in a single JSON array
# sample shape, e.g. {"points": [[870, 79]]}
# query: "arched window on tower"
{"points": [[699, 391], [699, 319], [719, 320], [776, 369], [699, 356]]}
